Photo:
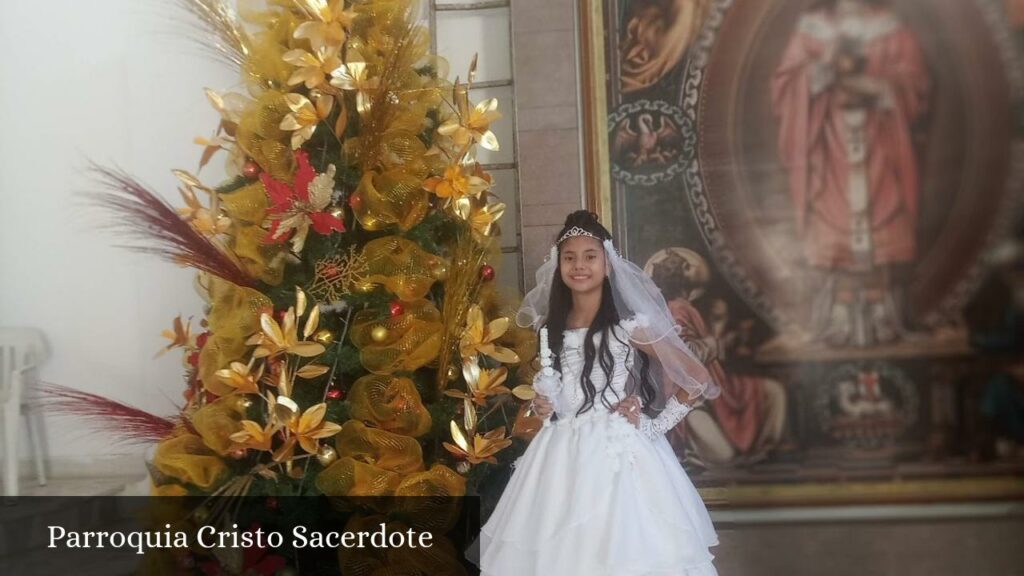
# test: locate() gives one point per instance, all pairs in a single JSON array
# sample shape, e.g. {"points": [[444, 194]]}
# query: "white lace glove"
{"points": [[673, 414], [549, 386]]}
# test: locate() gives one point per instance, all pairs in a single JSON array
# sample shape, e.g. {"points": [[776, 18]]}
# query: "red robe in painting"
{"points": [[807, 101], [739, 409]]}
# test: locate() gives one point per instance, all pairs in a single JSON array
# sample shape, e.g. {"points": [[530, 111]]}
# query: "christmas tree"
{"points": [[353, 342]]}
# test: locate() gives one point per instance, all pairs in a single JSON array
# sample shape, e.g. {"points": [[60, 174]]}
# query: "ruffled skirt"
{"points": [[591, 496]]}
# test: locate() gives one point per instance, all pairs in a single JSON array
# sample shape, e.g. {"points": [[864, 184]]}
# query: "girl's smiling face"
{"points": [[582, 264]]}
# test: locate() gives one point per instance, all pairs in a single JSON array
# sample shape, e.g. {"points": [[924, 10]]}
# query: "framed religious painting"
{"points": [[827, 193]]}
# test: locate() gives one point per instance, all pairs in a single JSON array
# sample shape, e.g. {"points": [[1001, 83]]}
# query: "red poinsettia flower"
{"points": [[296, 207]]}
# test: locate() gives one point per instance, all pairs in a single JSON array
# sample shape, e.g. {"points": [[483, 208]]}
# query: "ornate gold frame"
{"points": [[594, 106], [592, 30]]}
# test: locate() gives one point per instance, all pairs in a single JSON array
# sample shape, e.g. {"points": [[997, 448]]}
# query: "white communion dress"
{"points": [[593, 496]]}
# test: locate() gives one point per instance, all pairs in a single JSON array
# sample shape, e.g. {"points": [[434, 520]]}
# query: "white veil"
{"points": [[647, 319]]}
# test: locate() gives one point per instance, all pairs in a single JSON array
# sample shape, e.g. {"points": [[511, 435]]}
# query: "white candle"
{"points": [[545, 353]]}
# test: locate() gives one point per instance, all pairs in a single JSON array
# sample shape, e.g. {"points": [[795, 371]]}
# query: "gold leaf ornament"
{"points": [[479, 338], [276, 339], [328, 24], [473, 126], [482, 448], [305, 116], [312, 68]]}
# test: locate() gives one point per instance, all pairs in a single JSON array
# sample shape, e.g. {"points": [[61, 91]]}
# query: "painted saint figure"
{"points": [[851, 83], [748, 419]]}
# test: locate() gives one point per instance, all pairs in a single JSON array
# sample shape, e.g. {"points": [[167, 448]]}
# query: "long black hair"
{"points": [[559, 305]]}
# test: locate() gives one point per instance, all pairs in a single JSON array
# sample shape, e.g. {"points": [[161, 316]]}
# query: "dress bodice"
{"points": [[571, 396]]}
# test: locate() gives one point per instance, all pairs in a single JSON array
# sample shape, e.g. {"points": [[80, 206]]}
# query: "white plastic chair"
{"points": [[21, 352]]}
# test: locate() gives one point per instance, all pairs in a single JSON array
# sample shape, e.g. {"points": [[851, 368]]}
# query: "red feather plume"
{"points": [[143, 215], [124, 423]]}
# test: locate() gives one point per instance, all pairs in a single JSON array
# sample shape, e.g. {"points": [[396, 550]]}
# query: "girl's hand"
{"points": [[631, 409], [542, 406]]}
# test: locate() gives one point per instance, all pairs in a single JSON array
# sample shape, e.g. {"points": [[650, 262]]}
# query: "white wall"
{"points": [[118, 82]]}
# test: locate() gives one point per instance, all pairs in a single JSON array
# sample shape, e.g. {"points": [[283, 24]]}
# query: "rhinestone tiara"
{"points": [[575, 231]]}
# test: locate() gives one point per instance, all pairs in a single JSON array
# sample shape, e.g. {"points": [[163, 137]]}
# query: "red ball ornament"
{"points": [[487, 272], [251, 170], [355, 202], [396, 308], [335, 394]]}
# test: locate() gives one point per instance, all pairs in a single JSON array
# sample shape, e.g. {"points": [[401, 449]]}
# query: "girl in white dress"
{"points": [[599, 491]]}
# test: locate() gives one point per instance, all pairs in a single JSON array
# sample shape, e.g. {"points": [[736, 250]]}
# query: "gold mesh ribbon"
{"points": [[380, 448], [234, 316], [394, 197], [413, 338], [218, 420], [429, 500], [247, 209], [261, 137], [401, 266], [350, 477], [265, 68], [440, 559], [188, 459], [391, 403]]}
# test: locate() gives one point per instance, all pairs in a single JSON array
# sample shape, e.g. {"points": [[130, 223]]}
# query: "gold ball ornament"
{"points": [[326, 455], [243, 402], [324, 336], [453, 373], [379, 334], [439, 271]]}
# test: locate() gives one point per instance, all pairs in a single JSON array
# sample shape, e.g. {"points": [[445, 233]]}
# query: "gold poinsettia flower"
{"points": [[355, 75], [475, 126], [481, 383], [254, 436], [313, 68], [457, 183], [310, 427], [479, 338], [241, 377], [230, 106], [180, 336], [483, 448], [483, 217], [276, 339], [305, 116], [329, 22], [207, 221]]}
